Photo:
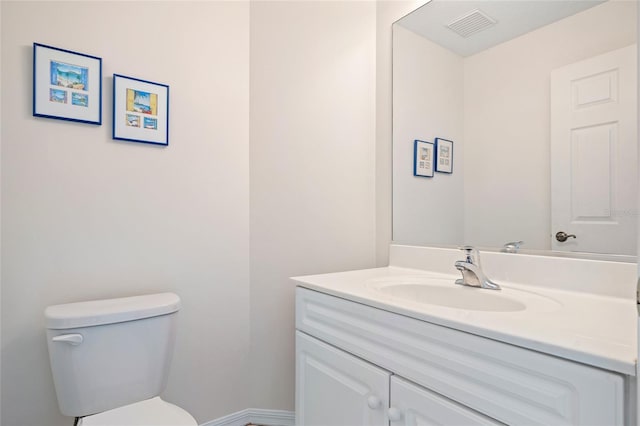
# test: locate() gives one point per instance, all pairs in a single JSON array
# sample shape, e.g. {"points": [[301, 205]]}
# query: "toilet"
{"points": [[110, 360]]}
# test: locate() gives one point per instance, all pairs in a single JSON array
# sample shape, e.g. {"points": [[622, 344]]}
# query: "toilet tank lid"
{"points": [[109, 311]]}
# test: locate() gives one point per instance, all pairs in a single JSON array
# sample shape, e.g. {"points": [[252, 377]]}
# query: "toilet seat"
{"points": [[152, 412]]}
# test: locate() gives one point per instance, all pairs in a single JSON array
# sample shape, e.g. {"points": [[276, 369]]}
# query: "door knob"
{"points": [[563, 236], [373, 402], [394, 414]]}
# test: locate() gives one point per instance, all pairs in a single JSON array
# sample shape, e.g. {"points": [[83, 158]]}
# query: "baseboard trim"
{"points": [[239, 418], [272, 417], [257, 416]]}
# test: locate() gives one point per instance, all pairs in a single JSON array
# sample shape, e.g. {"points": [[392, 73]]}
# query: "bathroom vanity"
{"points": [[404, 345], [523, 115]]}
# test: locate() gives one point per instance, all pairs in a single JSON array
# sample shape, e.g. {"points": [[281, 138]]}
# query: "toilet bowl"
{"points": [[152, 412]]}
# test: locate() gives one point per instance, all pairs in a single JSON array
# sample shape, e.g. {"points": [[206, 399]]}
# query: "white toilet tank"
{"points": [[108, 353]]}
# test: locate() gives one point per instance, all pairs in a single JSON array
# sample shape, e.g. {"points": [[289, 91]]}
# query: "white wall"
{"points": [[427, 103], [507, 174], [312, 166], [86, 217]]}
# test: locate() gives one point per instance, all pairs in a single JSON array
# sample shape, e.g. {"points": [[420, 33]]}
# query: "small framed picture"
{"points": [[66, 85], [444, 156], [140, 110], [423, 158]]}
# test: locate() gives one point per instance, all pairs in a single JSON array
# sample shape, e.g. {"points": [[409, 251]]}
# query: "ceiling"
{"points": [[513, 18]]}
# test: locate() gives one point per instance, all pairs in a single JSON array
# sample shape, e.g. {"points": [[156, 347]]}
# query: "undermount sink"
{"points": [[443, 292]]}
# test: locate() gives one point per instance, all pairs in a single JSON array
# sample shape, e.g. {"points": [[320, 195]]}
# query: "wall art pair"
{"points": [[429, 156], [68, 86]]}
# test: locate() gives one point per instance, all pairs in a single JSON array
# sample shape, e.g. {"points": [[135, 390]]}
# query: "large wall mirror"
{"points": [[540, 101]]}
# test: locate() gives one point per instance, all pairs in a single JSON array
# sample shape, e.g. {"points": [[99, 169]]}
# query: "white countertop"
{"points": [[594, 329]]}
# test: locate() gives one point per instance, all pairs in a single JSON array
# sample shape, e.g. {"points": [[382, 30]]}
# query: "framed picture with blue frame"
{"points": [[67, 85], [444, 156], [140, 110], [423, 158]]}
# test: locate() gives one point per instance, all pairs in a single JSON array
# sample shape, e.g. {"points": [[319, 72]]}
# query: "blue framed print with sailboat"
{"points": [[67, 85]]}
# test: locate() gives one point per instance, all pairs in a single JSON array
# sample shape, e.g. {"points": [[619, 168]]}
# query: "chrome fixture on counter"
{"points": [[472, 274], [512, 247]]}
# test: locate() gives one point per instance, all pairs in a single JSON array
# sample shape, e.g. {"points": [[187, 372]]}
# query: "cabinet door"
{"points": [[334, 388], [413, 405]]}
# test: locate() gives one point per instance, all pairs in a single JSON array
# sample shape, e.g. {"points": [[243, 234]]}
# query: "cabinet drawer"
{"points": [[505, 382]]}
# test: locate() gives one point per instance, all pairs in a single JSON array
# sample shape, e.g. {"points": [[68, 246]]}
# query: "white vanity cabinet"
{"points": [[337, 388], [360, 365]]}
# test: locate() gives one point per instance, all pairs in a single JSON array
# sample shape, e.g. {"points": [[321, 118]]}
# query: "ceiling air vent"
{"points": [[470, 23]]}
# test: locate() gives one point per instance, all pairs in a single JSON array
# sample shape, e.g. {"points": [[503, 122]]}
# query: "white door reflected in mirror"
{"points": [[594, 152]]}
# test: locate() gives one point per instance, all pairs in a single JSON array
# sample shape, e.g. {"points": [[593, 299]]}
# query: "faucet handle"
{"points": [[471, 254], [512, 247]]}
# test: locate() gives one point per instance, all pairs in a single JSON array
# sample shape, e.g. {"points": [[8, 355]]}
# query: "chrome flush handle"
{"points": [[72, 339]]}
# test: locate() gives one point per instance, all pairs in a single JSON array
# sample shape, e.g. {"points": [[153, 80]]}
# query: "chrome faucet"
{"points": [[512, 247], [472, 274]]}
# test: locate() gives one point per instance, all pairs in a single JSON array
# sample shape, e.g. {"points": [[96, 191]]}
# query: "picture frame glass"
{"points": [[424, 158], [444, 155], [66, 85], [140, 110]]}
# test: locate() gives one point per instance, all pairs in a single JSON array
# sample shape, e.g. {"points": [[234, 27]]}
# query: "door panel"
{"points": [[594, 153]]}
